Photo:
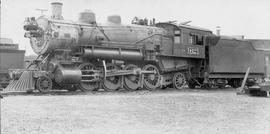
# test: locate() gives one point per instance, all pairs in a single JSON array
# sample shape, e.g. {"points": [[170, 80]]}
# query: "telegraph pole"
{"points": [[0, 94]]}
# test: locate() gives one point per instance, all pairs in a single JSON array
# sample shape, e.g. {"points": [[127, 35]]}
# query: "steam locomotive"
{"points": [[86, 55]]}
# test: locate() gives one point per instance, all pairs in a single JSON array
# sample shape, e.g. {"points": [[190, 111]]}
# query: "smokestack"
{"points": [[218, 30], [57, 10]]}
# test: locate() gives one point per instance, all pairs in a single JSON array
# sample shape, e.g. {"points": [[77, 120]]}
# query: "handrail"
{"points": [[133, 43], [136, 42], [102, 31]]}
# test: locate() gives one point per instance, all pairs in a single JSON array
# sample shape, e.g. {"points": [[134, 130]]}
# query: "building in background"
{"points": [[10, 58]]}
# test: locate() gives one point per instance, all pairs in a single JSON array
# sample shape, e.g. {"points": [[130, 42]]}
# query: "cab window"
{"points": [[177, 36], [195, 39]]}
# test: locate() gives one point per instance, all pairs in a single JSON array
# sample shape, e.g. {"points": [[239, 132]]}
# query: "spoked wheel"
{"points": [[131, 82], [151, 81], [44, 84], [87, 74], [112, 83], [179, 80]]}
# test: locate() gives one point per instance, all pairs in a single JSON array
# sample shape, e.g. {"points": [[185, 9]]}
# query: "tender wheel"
{"points": [[44, 84], [87, 75], [131, 82], [112, 83], [179, 80], [151, 81]]}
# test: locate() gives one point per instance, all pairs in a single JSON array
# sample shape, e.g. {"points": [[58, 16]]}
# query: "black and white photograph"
{"points": [[134, 67]]}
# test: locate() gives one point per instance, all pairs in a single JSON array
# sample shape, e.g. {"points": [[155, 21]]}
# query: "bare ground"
{"points": [[143, 112]]}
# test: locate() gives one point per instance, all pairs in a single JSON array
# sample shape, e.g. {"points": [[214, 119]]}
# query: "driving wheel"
{"points": [[131, 82], [88, 77], [111, 83], [151, 81]]}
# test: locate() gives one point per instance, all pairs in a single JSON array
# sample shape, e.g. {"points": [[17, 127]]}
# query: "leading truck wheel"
{"points": [[87, 75], [44, 84], [151, 81], [112, 83], [179, 80]]}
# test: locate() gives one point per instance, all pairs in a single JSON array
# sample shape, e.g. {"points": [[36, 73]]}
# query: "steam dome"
{"points": [[87, 16], [116, 19]]}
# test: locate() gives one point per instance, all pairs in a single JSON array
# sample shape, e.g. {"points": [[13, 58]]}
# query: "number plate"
{"points": [[193, 51]]}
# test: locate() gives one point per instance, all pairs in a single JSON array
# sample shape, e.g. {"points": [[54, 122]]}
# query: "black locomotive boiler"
{"points": [[87, 55]]}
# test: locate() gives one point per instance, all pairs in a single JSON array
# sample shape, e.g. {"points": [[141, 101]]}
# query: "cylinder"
{"points": [[118, 54], [87, 16], [57, 10], [68, 76]]}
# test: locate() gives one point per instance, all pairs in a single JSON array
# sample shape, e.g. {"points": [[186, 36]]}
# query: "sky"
{"points": [[250, 18]]}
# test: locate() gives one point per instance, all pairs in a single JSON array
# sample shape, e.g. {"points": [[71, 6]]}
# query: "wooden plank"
{"points": [[241, 89]]}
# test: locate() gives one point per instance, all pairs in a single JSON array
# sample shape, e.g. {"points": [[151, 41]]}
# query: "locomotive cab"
{"points": [[187, 41]]}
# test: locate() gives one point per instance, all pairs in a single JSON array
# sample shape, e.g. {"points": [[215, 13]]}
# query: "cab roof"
{"points": [[186, 26]]}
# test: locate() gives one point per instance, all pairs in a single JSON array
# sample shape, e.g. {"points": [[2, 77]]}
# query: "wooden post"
{"points": [[241, 89], [266, 67]]}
